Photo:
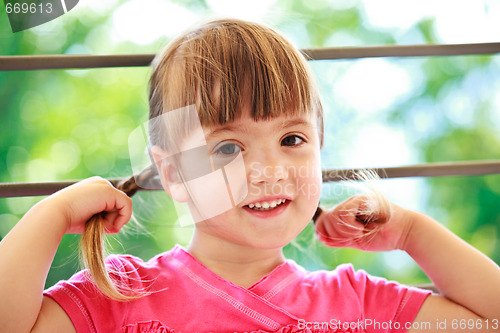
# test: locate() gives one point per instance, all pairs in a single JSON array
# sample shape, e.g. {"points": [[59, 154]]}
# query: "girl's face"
{"points": [[283, 175]]}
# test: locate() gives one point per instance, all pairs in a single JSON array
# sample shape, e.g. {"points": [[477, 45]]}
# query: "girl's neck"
{"points": [[239, 264]]}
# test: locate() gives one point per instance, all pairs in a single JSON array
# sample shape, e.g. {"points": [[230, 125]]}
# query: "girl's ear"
{"points": [[169, 175]]}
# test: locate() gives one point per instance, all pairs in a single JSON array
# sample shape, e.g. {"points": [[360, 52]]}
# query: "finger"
{"points": [[124, 207], [338, 226], [356, 208], [109, 222], [320, 226], [118, 211], [327, 230], [344, 224]]}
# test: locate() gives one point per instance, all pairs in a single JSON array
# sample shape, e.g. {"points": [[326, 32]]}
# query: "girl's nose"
{"points": [[267, 169]]}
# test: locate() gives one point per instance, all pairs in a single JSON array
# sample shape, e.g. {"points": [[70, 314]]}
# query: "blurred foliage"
{"points": [[73, 124]]}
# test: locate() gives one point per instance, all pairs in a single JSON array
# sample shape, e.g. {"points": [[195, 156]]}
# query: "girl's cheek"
{"points": [[310, 165], [309, 179]]}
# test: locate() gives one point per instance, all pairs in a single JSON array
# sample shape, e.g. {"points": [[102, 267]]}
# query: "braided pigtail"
{"points": [[112, 283]]}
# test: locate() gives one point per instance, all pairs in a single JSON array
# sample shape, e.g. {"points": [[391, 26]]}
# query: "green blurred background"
{"points": [[73, 124]]}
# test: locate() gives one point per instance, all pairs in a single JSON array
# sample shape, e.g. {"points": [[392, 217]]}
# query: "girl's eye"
{"points": [[292, 140], [227, 149]]}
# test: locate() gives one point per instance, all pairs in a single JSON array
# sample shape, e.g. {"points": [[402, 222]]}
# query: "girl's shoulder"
{"points": [[340, 275], [346, 280], [136, 267], [346, 273]]}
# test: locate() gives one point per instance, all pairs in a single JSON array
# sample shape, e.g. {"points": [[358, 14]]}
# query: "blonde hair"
{"points": [[93, 251]]}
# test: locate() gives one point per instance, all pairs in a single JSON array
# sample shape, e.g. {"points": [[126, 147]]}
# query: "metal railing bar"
{"points": [[32, 62], [425, 50], [36, 189], [470, 168]]}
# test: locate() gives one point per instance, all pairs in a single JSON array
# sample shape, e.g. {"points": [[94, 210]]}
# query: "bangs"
{"points": [[250, 67], [228, 67]]}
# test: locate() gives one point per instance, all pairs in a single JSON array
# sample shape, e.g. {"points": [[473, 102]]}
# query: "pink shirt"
{"points": [[189, 298]]}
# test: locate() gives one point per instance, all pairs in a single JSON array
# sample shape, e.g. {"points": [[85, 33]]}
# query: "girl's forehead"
{"points": [[247, 124]]}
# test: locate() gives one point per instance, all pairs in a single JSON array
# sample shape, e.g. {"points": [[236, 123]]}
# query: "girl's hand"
{"points": [[79, 202], [350, 224]]}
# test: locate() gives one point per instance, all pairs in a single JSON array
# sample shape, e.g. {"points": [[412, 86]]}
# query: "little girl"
{"points": [[255, 106]]}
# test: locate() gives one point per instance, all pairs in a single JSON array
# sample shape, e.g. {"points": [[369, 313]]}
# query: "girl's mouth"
{"points": [[266, 205], [267, 209]]}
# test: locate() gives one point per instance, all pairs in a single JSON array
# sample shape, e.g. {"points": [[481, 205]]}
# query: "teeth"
{"points": [[266, 205]]}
